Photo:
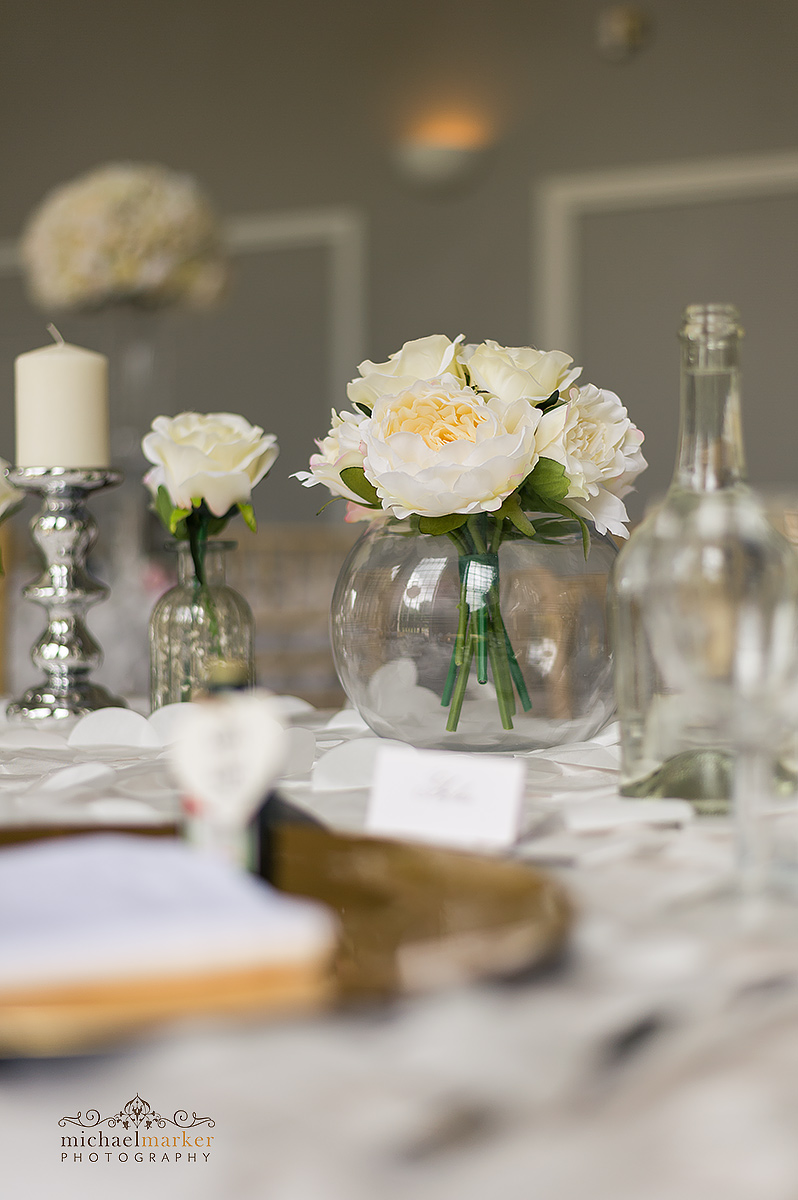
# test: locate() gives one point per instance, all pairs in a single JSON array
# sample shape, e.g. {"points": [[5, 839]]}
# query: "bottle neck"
{"points": [[710, 453], [214, 563]]}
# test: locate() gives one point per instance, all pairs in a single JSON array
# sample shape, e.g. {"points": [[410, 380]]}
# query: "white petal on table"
{"points": [[573, 789], [348, 720], [85, 774], [30, 764], [610, 735], [350, 765], [580, 756], [287, 707], [146, 782], [301, 751], [113, 727], [165, 722]]}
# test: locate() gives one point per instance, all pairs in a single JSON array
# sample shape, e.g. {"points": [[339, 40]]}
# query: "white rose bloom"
{"points": [[600, 450], [437, 448], [518, 372], [424, 358], [216, 457], [341, 448]]}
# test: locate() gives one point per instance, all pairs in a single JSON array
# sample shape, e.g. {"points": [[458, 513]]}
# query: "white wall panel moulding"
{"points": [[560, 202], [340, 231]]}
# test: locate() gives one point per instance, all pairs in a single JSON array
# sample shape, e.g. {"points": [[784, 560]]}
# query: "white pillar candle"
{"points": [[62, 407]]}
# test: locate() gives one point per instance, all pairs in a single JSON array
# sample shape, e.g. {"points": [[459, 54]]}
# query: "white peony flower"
{"points": [[215, 457], [600, 451], [438, 448], [424, 358], [606, 511], [518, 372], [342, 447]]}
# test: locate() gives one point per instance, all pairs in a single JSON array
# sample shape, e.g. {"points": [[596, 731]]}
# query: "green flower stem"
{"points": [[481, 633], [501, 678], [449, 684], [198, 544], [460, 686], [500, 659], [462, 623], [515, 670], [481, 643], [496, 536], [457, 536], [473, 527]]}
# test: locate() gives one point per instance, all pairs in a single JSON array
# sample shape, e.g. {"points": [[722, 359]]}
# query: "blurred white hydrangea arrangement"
{"points": [[124, 233]]}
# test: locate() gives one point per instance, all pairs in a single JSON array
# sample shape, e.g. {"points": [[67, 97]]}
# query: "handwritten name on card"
{"points": [[451, 799]]}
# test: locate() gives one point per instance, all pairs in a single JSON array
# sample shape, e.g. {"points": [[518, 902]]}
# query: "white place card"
{"points": [[451, 799]]}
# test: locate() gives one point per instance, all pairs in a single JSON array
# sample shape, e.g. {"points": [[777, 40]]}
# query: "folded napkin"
{"points": [[112, 908]]}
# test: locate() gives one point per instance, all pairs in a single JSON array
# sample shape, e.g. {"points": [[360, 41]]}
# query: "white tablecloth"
{"points": [[657, 1062]]}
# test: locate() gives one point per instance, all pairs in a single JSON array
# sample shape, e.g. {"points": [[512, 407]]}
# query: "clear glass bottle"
{"points": [[701, 593], [198, 631]]}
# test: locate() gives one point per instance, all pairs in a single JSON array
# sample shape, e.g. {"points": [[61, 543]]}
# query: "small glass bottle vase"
{"points": [[199, 629]]}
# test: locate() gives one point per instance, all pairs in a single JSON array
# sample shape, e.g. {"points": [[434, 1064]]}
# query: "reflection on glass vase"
{"points": [[498, 646], [198, 630]]}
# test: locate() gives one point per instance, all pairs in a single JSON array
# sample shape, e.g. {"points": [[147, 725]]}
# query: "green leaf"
{"points": [[512, 510], [564, 511], [548, 479], [248, 513], [355, 480], [163, 505], [178, 515], [550, 402], [585, 536], [215, 525], [436, 525], [170, 516]]}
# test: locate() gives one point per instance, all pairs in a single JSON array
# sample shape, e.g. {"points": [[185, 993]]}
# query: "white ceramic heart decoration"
{"points": [[226, 755]]}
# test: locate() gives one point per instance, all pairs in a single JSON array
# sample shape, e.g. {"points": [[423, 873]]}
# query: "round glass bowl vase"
{"points": [[445, 642], [199, 631]]}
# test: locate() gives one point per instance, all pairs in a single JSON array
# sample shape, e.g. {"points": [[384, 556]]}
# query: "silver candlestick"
{"points": [[64, 531]]}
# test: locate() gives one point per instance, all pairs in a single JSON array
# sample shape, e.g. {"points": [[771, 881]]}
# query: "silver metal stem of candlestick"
{"points": [[64, 530]]}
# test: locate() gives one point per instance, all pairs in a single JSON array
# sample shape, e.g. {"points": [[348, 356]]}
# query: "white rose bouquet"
{"points": [[205, 466], [466, 441]]}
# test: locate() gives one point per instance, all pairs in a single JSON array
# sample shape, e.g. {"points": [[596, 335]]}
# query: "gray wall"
{"points": [[277, 106]]}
